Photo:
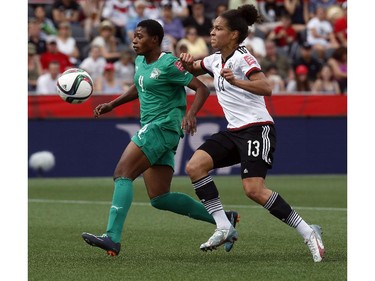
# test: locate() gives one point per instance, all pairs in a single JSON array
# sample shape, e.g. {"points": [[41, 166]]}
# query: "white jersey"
{"points": [[241, 108]]}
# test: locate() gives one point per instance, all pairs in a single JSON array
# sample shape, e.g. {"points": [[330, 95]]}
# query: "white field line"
{"points": [[82, 202]]}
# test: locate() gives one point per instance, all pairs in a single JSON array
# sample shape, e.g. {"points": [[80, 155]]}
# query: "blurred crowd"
{"points": [[301, 45]]}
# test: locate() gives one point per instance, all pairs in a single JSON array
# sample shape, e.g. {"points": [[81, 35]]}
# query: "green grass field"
{"points": [[159, 245]]}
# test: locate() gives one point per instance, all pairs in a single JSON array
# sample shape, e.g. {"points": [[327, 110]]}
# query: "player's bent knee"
{"points": [[192, 168]]}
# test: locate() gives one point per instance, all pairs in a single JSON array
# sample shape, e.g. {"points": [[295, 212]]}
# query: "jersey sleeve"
{"points": [[249, 65], [206, 64], [177, 74]]}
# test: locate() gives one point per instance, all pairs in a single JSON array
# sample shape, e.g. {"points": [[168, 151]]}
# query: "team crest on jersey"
{"points": [[155, 73], [179, 66], [249, 59]]}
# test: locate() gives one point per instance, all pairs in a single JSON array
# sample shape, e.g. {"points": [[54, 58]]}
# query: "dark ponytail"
{"points": [[241, 18]]}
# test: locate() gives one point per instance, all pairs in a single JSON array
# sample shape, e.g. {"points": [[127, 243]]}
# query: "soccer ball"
{"points": [[74, 85]]}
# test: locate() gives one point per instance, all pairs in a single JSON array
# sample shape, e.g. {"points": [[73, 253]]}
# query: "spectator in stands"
{"points": [[234, 4], [117, 12], [139, 6], [320, 33], [152, 10], [53, 54], [277, 82], [124, 69], [34, 69], [65, 10], [339, 64], [195, 44], [220, 8], [300, 83], [46, 83], [106, 40], [199, 20], [307, 59], [326, 82], [172, 25], [299, 13], [36, 37], [255, 44], [92, 11], [179, 8], [66, 44], [108, 83], [168, 44], [181, 49], [210, 7], [274, 58], [284, 34], [94, 64], [315, 4], [46, 24], [340, 27], [271, 10]]}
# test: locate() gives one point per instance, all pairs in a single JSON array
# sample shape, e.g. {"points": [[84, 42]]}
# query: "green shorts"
{"points": [[157, 143]]}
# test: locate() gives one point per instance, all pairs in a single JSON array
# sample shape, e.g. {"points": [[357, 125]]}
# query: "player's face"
{"points": [[142, 42], [220, 33]]}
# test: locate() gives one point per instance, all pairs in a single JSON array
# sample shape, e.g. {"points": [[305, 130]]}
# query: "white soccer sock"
{"points": [[304, 229], [221, 219]]}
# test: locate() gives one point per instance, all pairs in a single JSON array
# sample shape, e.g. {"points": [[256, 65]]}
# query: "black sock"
{"points": [[277, 206], [207, 192]]}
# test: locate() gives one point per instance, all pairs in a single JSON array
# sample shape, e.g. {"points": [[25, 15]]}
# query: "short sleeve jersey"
{"points": [[161, 90], [241, 108]]}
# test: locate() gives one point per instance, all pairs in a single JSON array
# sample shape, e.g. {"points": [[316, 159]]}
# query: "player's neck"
{"points": [[227, 51], [152, 56]]}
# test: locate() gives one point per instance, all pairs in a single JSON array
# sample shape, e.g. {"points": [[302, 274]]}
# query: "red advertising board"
{"points": [[52, 106]]}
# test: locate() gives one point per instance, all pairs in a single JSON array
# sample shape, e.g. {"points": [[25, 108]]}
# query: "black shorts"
{"points": [[253, 147]]}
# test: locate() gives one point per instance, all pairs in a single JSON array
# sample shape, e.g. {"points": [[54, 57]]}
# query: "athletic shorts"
{"points": [[157, 143], [253, 147]]}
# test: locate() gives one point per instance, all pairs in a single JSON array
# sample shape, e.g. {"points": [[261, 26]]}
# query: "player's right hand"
{"points": [[186, 59], [102, 108]]}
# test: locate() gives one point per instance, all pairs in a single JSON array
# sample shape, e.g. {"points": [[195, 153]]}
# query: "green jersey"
{"points": [[161, 91]]}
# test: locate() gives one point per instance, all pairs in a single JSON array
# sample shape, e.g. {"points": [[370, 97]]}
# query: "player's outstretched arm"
{"points": [[194, 67], [189, 122], [128, 96]]}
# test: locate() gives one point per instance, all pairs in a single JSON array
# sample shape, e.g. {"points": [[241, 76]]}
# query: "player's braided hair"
{"points": [[241, 18]]}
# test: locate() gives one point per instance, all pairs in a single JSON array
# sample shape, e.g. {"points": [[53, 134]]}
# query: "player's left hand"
{"points": [[102, 108], [228, 75], [189, 124]]}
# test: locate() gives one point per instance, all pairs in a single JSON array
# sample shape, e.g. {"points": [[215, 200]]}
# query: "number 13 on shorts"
{"points": [[253, 148]]}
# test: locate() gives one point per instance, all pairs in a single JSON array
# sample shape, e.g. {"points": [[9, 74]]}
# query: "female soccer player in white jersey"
{"points": [[250, 137], [159, 84]]}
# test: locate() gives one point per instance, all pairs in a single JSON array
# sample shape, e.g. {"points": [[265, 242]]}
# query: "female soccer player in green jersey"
{"points": [[159, 85]]}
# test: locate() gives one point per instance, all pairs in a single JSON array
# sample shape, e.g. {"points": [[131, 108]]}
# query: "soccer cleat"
{"points": [[104, 242], [315, 243], [234, 218], [219, 237]]}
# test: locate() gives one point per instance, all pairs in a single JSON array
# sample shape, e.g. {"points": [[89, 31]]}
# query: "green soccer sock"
{"points": [[182, 204], [121, 201]]}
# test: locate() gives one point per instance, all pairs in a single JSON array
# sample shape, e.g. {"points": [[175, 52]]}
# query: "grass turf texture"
{"points": [[159, 245]]}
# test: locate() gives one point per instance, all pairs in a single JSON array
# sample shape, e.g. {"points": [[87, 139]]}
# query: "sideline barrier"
{"points": [[53, 106], [309, 141]]}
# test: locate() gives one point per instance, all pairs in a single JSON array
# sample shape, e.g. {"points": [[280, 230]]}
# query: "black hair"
{"points": [[241, 18], [153, 28], [339, 53]]}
